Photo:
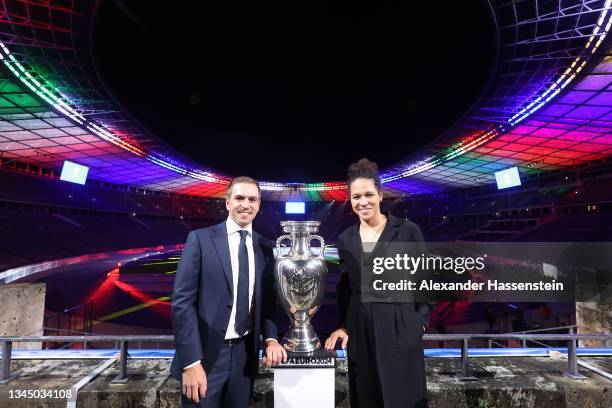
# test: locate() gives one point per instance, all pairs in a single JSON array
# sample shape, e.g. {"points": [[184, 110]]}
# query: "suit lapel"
{"points": [[259, 263], [221, 244]]}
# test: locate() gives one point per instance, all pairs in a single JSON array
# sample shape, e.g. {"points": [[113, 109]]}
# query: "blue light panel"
{"points": [[74, 173], [295, 207], [508, 178]]}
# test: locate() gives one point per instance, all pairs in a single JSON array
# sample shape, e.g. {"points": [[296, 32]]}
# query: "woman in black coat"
{"points": [[385, 354]]}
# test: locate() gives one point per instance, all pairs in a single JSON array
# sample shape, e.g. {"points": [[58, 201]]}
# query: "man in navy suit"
{"points": [[223, 299]]}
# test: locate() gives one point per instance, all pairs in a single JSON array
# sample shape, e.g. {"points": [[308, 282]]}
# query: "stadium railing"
{"points": [[464, 374]]}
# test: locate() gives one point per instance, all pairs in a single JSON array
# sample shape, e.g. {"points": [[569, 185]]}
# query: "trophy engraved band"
{"points": [[300, 283]]}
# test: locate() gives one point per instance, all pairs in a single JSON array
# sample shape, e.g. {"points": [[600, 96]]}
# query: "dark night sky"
{"points": [[295, 91]]}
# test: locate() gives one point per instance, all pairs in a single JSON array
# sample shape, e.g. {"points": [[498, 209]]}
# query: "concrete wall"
{"points": [[503, 382], [22, 308], [594, 318]]}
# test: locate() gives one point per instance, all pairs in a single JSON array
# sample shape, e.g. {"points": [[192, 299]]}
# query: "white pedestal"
{"points": [[304, 387], [306, 380]]}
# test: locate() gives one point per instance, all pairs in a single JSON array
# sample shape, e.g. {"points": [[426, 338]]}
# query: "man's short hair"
{"points": [[242, 179]]}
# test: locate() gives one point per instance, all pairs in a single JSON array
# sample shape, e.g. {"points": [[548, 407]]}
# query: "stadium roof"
{"points": [[548, 105]]}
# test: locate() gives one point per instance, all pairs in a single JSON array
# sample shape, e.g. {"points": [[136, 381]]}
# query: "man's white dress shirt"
{"points": [[233, 237]]}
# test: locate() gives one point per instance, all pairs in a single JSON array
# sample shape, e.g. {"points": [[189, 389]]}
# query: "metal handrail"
{"points": [[7, 345], [78, 332], [433, 336], [570, 328], [93, 338], [536, 342], [74, 333], [573, 326], [70, 314], [499, 344]]}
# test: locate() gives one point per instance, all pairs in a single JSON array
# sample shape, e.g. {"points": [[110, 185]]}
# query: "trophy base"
{"points": [[301, 340], [320, 358]]}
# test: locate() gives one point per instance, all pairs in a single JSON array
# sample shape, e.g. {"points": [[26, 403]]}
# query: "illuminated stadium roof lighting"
{"points": [[571, 72], [102, 131], [548, 93], [522, 120]]}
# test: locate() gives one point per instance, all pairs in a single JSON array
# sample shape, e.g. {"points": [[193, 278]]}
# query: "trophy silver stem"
{"points": [[300, 336]]}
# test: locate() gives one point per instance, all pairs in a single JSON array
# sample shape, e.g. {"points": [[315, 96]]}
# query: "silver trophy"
{"points": [[300, 283]]}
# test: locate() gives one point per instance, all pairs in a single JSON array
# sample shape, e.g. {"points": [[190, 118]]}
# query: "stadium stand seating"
{"points": [[42, 218]]}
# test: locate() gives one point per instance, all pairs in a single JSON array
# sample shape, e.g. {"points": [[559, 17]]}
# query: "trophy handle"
{"points": [[321, 240], [278, 242]]}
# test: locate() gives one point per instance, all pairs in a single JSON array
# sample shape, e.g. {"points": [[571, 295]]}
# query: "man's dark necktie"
{"points": [[242, 293]]}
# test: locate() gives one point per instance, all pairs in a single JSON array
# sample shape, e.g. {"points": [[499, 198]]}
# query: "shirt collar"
{"points": [[233, 227]]}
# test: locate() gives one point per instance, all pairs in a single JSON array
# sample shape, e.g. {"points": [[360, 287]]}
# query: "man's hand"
{"points": [[340, 333], [275, 353], [194, 383]]}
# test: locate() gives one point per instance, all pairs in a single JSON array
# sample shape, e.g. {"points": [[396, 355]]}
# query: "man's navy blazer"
{"points": [[202, 299]]}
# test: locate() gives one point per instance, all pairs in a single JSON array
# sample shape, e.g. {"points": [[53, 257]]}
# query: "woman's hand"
{"points": [[341, 333]]}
